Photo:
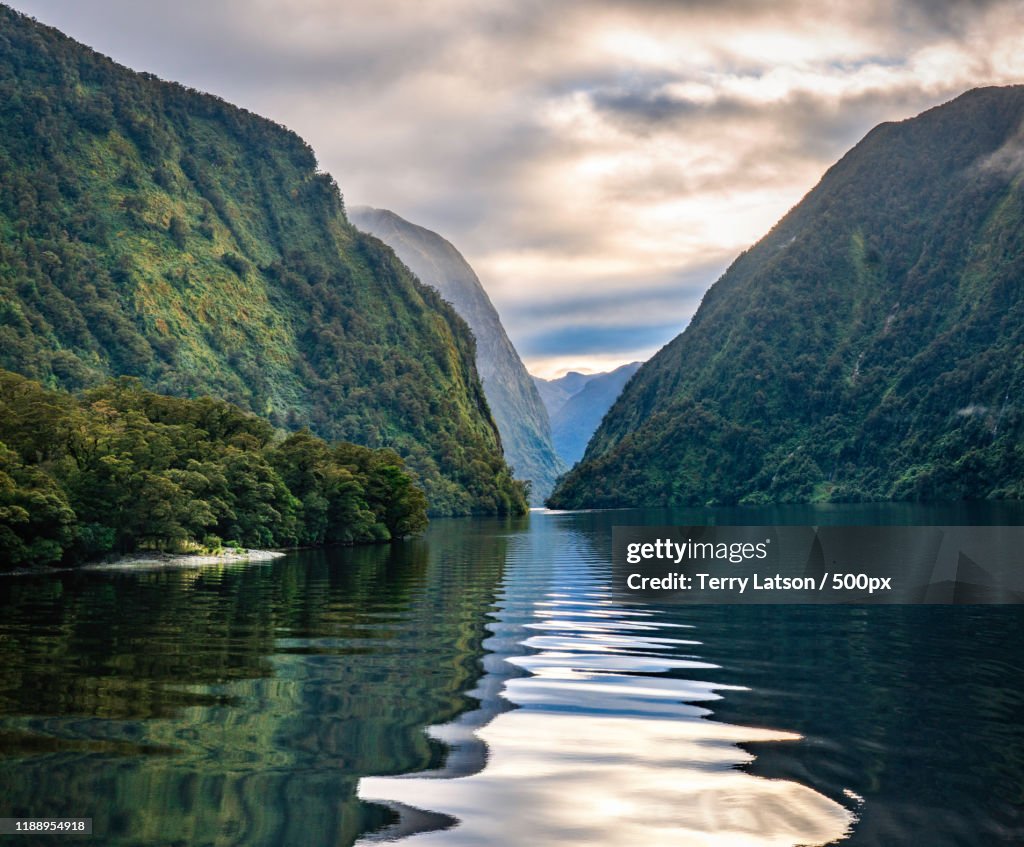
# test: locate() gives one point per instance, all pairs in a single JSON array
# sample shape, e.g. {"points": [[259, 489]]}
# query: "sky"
{"points": [[598, 163]]}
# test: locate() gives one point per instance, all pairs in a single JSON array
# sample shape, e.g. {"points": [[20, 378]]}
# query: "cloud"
{"points": [[1008, 159], [599, 163], [588, 339]]}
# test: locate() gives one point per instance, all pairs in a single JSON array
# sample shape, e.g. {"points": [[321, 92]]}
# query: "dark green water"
{"points": [[270, 704]]}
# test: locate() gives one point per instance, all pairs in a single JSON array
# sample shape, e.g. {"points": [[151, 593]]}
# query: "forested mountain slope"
{"points": [[521, 417], [871, 346], [153, 231]]}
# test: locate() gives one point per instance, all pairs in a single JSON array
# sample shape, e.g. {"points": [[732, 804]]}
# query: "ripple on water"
{"points": [[608, 743]]}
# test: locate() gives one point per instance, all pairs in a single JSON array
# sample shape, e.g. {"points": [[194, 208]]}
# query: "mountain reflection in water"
{"points": [[277, 704], [607, 740]]}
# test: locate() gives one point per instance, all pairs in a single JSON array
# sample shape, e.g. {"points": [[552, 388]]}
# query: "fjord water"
{"points": [[289, 702]]}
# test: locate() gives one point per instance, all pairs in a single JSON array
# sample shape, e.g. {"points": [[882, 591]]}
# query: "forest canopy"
{"points": [[118, 468]]}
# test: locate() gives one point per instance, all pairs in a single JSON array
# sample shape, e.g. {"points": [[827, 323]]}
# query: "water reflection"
{"points": [[237, 705], [245, 705], [613, 741]]}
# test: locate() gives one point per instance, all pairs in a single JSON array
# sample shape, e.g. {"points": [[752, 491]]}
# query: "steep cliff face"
{"points": [[150, 230], [514, 401], [871, 346]]}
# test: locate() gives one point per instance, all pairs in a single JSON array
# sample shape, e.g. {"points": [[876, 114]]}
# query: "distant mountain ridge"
{"points": [[554, 392], [577, 402], [149, 230], [517, 407], [870, 347]]}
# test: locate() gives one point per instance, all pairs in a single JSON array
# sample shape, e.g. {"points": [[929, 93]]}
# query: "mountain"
{"points": [[870, 347], [554, 392], [577, 403], [149, 230], [521, 417]]}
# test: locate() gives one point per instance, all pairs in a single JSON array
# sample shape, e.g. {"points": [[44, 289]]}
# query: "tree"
{"points": [[36, 521]]}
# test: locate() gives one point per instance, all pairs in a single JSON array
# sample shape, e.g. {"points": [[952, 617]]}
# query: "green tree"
{"points": [[37, 524]]}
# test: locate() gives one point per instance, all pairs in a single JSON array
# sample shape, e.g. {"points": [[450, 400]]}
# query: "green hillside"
{"points": [[153, 231], [870, 347], [517, 407]]}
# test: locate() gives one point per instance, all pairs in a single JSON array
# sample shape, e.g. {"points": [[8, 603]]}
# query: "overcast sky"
{"points": [[598, 163]]}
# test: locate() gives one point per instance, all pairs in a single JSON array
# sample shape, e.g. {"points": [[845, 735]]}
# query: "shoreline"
{"points": [[154, 560]]}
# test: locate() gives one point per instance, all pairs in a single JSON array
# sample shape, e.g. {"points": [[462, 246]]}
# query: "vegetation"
{"points": [[152, 231], [870, 347], [118, 468], [517, 408]]}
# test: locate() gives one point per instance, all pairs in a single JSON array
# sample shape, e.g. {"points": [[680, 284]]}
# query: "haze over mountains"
{"points": [[150, 230], [577, 402], [518, 411], [870, 347]]}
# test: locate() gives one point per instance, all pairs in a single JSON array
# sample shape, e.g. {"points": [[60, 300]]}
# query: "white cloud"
{"points": [[574, 147]]}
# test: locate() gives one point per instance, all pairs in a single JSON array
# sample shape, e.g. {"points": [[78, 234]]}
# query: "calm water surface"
{"points": [[487, 685]]}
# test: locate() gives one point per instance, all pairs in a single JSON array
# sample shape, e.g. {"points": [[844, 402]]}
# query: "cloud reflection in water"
{"points": [[606, 743]]}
